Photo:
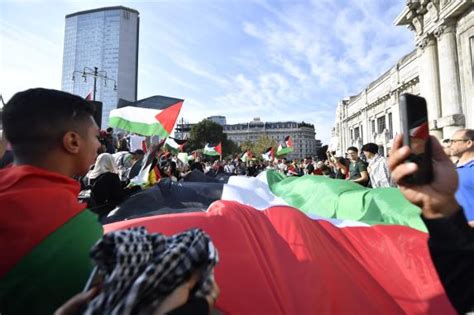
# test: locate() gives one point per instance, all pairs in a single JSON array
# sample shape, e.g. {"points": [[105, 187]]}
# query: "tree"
{"points": [[229, 148], [263, 143], [210, 132], [257, 148], [247, 145], [204, 132]]}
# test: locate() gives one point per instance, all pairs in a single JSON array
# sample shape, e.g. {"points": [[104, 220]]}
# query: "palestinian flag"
{"points": [[152, 120], [286, 147], [295, 261], [45, 237], [183, 157], [175, 145], [269, 154], [213, 151], [88, 97], [247, 156]]}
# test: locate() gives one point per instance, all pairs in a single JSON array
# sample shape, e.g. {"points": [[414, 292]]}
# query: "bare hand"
{"points": [[76, 304], [180, 295], [437, 198], [212, 297]]}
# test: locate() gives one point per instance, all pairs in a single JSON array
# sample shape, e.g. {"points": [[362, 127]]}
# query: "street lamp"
{"points": [[95, 73]]}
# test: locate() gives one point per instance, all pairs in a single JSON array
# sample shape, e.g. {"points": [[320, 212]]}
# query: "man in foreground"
{"points": [[451, 241], [46, 234]]}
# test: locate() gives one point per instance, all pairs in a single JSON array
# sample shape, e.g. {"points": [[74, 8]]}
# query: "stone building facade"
{"points": [[441, 69], [302, 134], [373, 115]]}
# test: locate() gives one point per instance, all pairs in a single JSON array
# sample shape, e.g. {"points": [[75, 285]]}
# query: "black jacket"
{"points": [[106, 193], [451, 246]]}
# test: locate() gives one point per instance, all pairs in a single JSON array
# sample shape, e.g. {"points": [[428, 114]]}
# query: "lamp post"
{"points": [[94, 73]]}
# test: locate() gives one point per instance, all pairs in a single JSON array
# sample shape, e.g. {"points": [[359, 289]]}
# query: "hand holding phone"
{"points": [[415, 129]]}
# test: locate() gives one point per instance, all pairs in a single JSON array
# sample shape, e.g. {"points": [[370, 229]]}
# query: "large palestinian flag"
{"points": [[45, 238], [307, 245], [155, 116], [285, 147]]}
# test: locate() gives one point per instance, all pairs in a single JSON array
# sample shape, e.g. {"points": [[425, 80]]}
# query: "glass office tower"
{"points": [[106, 38]]}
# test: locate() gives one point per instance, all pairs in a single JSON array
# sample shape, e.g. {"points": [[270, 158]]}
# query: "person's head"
{"points": [[138, 155], [51, 129], [105, 163], [325, 170], [370, 150], [110, 130], [169, 168], [340, 161], [462, 142], [353, 153], [123, 145]]}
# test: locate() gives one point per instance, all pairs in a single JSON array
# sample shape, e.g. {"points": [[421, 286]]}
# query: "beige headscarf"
{"points": [[105, 163]]}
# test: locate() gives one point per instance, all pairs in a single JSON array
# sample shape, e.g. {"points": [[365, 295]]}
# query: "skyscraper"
{"points": [[106, 38]]}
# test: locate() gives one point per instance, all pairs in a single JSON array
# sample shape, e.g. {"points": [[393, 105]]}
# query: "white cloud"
{"points": [[324, 51], [193, 67]]}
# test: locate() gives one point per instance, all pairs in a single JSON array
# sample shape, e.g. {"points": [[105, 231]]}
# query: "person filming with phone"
{"points": [[431, 182]]}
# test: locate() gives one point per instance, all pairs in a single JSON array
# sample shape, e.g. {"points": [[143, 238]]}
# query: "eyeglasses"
{"points": [[451, 141]]}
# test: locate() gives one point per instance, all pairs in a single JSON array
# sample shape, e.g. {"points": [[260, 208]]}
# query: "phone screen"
{"points": [[414, 115]]}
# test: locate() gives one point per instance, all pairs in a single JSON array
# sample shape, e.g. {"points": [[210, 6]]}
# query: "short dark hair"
{"points": [[469, 134], [370, 147], [352, 149], [35, 120]]}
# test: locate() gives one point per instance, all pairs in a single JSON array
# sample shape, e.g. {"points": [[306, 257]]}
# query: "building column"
{"points": [[429, 81], [452, 118]]}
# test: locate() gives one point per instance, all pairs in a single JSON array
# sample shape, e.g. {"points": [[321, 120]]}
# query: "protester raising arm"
{"points": [[451, 241]]}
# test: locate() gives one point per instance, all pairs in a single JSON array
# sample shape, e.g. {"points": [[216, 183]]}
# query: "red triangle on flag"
{"points": [[167, 117], [219, 148], [289, 142], [89, 97]]}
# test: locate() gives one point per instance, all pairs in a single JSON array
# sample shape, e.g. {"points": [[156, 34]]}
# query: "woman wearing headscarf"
{"points": [[106, 189]]}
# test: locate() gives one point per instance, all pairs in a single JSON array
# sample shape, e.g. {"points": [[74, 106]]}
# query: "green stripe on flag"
{"points": [[143, 129], [283, 151], [340, 199], [54, 271]]}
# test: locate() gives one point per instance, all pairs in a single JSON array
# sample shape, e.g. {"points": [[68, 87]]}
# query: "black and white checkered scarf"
{"points": [[141, 269]]}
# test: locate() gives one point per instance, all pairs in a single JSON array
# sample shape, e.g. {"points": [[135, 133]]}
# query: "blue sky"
{"points": [[277, 60]]}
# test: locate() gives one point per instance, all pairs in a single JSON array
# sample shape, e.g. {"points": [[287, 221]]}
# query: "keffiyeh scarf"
{"points": [[141, 269]]}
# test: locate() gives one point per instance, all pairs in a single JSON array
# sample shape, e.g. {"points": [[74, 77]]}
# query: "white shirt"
{"points": [[379, 173]]}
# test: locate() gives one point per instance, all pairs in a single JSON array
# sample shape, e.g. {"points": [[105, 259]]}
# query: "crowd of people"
{"points": [[64, 152]]}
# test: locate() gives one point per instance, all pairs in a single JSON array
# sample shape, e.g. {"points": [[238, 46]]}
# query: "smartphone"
{"points": [[415, 129]]}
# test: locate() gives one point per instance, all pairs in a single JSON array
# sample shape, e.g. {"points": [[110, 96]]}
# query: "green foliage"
{"points": [[263, 143], [229, 148], [204, 132], [210, 132], [259, 147]]}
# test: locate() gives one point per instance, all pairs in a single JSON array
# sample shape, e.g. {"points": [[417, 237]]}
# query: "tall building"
{"points": [[106, 38], [441, 69], [302, 134]]}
